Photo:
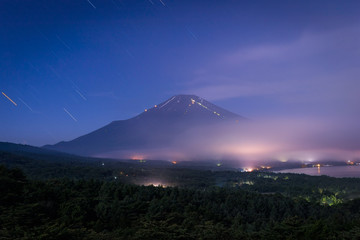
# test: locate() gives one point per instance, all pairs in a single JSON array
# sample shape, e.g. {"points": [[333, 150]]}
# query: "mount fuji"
{"points": [[156, 128]]}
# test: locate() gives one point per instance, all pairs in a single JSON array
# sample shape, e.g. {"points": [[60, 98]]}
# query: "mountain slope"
{"points": [[155, 128]]}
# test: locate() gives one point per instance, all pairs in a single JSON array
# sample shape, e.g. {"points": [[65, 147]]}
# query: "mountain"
{"points": [[26, 149], [155, 128]]}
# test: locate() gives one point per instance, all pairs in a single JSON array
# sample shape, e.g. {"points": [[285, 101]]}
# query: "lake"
{"points": [[335, 171]]}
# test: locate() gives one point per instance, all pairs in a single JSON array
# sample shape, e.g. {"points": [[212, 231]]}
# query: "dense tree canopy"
{"points": [[98, 209]]}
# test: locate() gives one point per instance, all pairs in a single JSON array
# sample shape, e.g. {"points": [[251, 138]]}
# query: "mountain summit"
{"points": [[156, 127], [187, 107]]}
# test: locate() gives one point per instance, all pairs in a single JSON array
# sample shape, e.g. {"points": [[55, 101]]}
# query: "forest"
{"points": [[69, 198]]}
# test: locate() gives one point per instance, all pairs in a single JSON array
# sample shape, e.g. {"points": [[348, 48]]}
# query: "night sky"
{"points": [[70, 67]]}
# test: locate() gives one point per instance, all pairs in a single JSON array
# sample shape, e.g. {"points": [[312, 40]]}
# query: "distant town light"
{"points": [[248, 169], [349, 162], [138, 158], [155, 184]]}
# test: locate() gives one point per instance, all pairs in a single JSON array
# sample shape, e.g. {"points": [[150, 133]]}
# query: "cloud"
{"points": [[275, 138], [233, 90], [319, 68], [250, 143]]}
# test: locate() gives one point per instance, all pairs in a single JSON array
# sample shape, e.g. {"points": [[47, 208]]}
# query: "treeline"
{"points": [[323, 190], [96, 209]]}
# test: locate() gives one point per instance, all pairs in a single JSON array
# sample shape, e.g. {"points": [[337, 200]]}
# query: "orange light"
{"points": [[145, 110], [249, 169], [350, 162], [174, 162], [137, 157], [155, 106]]}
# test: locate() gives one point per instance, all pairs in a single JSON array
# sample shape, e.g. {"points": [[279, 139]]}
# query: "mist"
{"points": [[256, 142]]}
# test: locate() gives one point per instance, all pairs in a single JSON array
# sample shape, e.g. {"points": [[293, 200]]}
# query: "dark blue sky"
{"points": [[74, 66]]}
